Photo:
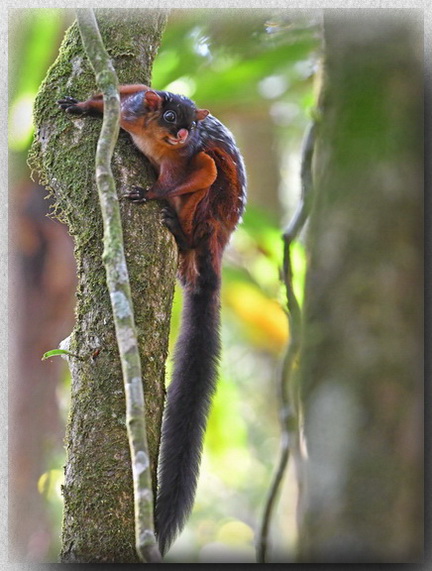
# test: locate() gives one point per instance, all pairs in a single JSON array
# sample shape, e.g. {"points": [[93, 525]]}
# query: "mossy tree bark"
{"points": [[98, 516], [361, 360]]}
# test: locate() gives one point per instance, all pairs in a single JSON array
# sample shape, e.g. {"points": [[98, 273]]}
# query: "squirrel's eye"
{"points": [[170, 116]]}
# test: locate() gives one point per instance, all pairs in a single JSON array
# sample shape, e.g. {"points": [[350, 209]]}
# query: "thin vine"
{"points": [[119, 288], [289, 413]]}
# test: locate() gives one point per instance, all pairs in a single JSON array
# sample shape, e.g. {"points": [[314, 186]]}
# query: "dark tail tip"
{"points": [[167, 529], [179, 466]]}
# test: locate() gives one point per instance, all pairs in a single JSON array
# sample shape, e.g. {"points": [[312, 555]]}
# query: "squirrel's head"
{"points": [[176, 114]]}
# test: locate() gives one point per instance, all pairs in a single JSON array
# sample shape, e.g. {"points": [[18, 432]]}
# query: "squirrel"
{"points": [[201, 177]]}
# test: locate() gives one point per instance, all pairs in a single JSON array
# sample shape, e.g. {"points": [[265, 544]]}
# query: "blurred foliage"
{"points": [[234, 62], [40, 31], [234, 59]]}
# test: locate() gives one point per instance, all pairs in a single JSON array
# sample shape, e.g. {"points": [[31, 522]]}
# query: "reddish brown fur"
{"points": [[203, 189]]}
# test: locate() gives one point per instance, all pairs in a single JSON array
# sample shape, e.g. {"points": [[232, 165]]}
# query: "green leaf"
{"points": [[55, 353]]}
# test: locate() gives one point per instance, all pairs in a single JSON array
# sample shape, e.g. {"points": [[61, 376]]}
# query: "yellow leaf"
{"points": [[264, 319]]}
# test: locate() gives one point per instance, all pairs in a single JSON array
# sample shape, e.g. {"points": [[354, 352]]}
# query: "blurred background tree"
{"points": [[254, 70], [361, 362], [42, 283]]}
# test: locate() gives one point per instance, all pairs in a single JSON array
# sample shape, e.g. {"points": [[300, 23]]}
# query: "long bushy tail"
{"points": [[188, 403]]}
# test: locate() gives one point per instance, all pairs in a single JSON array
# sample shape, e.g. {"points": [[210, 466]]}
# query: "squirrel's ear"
{"points": [[152, 99], [201, 114]]}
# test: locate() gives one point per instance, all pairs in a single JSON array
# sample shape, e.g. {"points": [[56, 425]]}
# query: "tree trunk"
{"points": [[361, 363], [98, 516]]}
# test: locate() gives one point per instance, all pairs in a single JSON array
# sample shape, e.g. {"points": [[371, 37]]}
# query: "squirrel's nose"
{"points": [[182, 135]]}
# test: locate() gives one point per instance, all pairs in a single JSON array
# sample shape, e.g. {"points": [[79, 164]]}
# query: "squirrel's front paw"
{"points": [[70, 105]]}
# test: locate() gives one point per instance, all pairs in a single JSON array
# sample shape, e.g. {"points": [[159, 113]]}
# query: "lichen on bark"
{"points": [[98, 516]]}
